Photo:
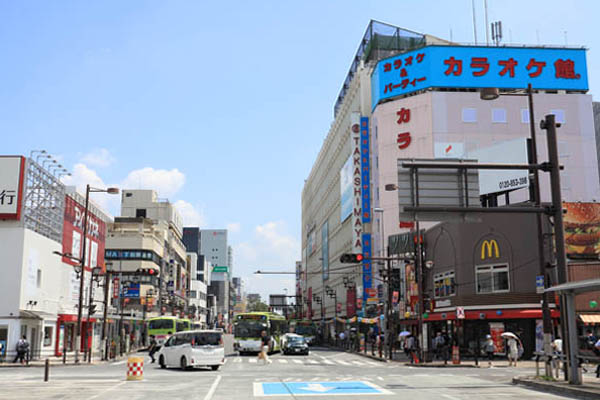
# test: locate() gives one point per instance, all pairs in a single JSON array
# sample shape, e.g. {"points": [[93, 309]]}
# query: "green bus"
{"points": [[164, 326], [304, 328], [247, 328]]}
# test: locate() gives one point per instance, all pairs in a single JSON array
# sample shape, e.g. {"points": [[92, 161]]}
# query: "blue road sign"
{"points": [[317, 388], [539, 283]]}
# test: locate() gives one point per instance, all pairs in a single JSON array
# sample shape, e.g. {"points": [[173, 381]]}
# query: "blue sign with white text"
{"points": [[317, 388], [479, 67], [131, 291]]}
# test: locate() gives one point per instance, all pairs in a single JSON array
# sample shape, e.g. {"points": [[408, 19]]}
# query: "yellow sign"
{"points": [[492, 248]]}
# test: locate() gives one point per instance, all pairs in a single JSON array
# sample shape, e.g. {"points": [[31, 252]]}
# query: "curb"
{"points": [[572, 391], [427, 365]]}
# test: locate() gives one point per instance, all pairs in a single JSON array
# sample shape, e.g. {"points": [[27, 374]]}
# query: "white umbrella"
{"points": [[509, 334], [405, 333]]}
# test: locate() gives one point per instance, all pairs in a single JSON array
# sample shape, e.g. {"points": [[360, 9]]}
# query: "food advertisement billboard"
{"points": [[582, 229]]}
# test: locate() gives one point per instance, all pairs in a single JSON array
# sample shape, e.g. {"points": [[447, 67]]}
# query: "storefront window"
{"points": [[444, 284], [48, 336], [492, 278]]}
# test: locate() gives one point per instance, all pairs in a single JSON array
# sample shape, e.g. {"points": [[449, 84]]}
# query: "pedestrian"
{"points": [[438, 345], [513, 351], [557, 346], [264, 348], [410, 347], [446, 347], [342, 339], [153, 347], [22, 349], [489, 348]]}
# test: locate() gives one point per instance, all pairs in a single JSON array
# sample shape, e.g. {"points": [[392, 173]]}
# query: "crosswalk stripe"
{"points": [[372, 363], [297, 361], [328, 362], [357, 363], [252, 360], [312, 361], [342, 362], [283, 361]]}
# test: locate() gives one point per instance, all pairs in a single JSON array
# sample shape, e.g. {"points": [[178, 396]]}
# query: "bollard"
{"points": [[47, 370], [135, 368]]}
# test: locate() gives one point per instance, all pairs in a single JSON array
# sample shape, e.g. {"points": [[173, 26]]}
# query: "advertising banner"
{"points": [[496, 331], [12, 177], [325, 249], [479, 67], [582, 229], [73, 232], [366, 203], [346, 190]]}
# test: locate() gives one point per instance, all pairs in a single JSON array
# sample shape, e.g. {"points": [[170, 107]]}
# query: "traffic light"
{"points": [[351, 258], [92, 309], [148, 271]]}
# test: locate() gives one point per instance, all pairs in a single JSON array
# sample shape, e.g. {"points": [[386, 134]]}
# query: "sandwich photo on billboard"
{"points": [[582, 229]]}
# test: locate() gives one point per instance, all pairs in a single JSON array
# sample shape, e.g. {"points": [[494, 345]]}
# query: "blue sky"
{"points": [[221, 106]]}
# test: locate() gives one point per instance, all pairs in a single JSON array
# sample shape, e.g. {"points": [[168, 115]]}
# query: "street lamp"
{"points": [[88, 190], [535, 196]]}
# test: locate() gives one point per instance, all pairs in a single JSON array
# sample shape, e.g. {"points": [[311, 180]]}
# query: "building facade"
{"points": [[214, 247]]}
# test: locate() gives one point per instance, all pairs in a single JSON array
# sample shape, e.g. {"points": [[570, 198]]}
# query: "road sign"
{"points": [[133, 290], [219, 268], [317, 388], [539, 284], [460, 313]]}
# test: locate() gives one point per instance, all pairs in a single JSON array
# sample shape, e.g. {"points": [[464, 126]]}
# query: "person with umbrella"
{"points": [[513, 344]]}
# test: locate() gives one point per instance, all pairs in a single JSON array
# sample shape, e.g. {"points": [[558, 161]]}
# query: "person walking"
{"points": [[264, 349], [153, 348], [489, 348], [22, 349], [557, 346], [411, 347], [438, 345], [513, 351]]}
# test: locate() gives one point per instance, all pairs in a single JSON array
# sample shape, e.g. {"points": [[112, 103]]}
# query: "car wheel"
{"points": [[161, 362], [183, 363], [214, 367]]}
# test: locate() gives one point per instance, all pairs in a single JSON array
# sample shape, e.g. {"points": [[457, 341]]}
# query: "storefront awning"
{"points": [[590, 319], [39, 315], [73, 318]]}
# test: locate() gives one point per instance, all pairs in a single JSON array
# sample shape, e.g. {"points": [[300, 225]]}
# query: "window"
{"points": [[524, 115], [444, 284], [140, 213], [192, 294], [469, 115], [492, 278], [47, 336], [559, 115], [498, 115]]}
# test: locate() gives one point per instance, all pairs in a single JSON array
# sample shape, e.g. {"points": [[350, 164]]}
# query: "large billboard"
{"points": [[582, 229], [73, 235], [12, 173], [498, 180], [346, 190], [479, 67]]}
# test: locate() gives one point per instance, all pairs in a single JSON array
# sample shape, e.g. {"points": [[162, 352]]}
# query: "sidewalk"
{"points": [[590, 389], [58, 361]]}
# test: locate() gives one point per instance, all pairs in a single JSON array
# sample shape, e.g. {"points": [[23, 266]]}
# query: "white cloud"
{"points": [[81, 176], [166, 182], [270, 248], [190, 214], [98, 158], [234, 227]]}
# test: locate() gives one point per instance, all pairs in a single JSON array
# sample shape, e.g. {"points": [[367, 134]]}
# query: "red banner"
{"points": [[350, 302]]}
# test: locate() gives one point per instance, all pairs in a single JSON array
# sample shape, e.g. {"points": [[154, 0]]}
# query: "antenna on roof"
{"points": [[474, 21], [496, 32]]}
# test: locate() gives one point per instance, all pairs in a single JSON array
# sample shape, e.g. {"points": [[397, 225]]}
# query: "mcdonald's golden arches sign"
{"points": [[489, 249]]}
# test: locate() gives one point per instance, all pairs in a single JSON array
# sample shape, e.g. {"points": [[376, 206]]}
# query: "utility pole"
{"points": [[105, 314], [419, 270]]}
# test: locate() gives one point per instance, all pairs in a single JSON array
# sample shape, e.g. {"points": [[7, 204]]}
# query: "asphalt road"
{"points": [[322, 375]]}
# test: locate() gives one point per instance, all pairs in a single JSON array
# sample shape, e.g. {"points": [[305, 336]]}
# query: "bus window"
{"points": [[161, 324], [180, 326]]}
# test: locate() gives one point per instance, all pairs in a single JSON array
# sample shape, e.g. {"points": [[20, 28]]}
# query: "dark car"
{"points": [[295, 345]]}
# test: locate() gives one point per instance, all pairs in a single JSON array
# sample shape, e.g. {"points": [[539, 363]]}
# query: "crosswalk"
{"points": [[308, 361]]}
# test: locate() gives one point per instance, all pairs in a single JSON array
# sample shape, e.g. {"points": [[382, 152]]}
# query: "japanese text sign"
{"points": [[479, 67], [12, 170]]}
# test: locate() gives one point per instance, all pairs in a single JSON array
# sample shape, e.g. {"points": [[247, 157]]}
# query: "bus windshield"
{"points": [[250, 328], [304, 330], [160, 324]]}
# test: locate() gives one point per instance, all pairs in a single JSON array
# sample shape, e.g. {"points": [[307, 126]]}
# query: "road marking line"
{"points": [[225, 362], [213, 388], [380, 378], [237, 360], [342, 362], [297, 361], [283, 361], [450, 397], [372, 363], [252, 360], [119, 362], [312, 361], [328, 362], [106, 391], [357, 363]]}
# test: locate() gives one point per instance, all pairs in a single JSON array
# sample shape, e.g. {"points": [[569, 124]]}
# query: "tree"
{"points": [[257, 306]]}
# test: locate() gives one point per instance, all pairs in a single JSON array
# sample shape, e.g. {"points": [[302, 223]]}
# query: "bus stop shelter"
{"points": [[568, 291]]}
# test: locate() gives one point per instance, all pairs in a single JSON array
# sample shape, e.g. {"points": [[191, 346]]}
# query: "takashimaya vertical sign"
{"points": [[357, 225], [366, 202], [12, 174]]}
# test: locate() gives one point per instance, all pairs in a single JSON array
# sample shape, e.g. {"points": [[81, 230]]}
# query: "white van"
{"points": [[193, 349]]}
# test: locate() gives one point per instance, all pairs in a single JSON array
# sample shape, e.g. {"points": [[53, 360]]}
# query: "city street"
{"points": [[324, 374]]}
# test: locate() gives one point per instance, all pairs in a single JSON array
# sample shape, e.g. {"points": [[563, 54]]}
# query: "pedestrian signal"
{"points": [[350, 258]]}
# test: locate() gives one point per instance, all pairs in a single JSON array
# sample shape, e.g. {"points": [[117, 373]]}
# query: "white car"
{"points": [[199, 348]]}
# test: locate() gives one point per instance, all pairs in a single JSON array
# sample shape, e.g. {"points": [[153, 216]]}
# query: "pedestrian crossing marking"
{"points": [[342, 362], [252, 360], [328, 362], [357, 363], [298, 361], [237, 360], [312, 361], [283, 361]]}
